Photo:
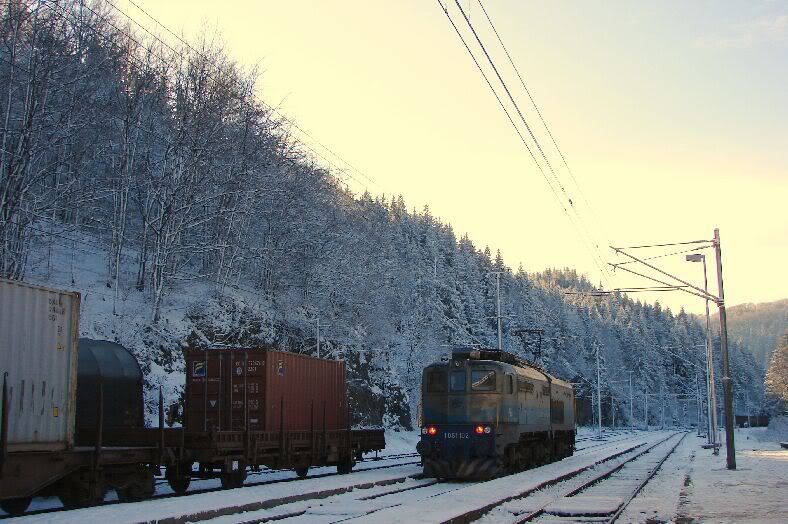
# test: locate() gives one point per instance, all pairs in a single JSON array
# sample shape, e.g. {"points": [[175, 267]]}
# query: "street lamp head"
{"points": [[696, 257]]}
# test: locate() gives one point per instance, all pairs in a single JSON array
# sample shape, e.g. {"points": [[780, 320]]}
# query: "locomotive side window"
{"points": [[511, 384], [457, 381], [524, 385], [436, 382], [483, 380], [557, 412]]}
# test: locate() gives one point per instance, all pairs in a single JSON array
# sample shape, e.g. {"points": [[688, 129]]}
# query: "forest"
{"points": [[150, 175]]}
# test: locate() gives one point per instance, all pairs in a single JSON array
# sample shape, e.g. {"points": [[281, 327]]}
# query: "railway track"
{"points": [[402, 460], [602, 495], [471, 502], [161, 481], [362, 502], [365, 500]]}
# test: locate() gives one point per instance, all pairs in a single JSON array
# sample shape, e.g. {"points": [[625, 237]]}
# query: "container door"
{"points": [[246, 376], [39, 329], [204, 391]]}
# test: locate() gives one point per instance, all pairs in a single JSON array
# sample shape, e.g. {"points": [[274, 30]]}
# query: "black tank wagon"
{"points": [[486, 413]]}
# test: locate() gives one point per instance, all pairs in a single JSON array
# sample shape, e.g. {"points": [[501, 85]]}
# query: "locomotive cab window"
{"points": [[436, 381], [483, 380], [457, 381]]}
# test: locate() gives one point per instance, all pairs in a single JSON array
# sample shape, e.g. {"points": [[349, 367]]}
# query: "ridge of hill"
{"points": [[757, 327]]}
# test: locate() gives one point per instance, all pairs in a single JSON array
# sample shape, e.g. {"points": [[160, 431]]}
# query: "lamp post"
{"points": [[711, 389], [598, 393]]}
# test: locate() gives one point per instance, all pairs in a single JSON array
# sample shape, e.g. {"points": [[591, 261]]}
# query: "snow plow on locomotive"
{"points": [[487, 413]]}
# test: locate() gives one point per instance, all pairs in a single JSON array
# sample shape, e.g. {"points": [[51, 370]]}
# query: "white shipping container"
{"points": [[39, 336]]}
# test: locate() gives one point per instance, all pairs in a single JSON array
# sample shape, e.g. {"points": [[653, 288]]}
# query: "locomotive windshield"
{"points": [[457, 381], [483, 380], [436, 381]]}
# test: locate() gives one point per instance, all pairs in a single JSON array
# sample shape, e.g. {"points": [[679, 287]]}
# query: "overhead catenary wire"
{"points": [[663, 282], [541, 117], [617, 264], [595, 251], [595, 257], [710, 242]]}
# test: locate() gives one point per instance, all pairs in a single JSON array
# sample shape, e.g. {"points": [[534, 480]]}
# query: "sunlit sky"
{"points": [[673, 117]]}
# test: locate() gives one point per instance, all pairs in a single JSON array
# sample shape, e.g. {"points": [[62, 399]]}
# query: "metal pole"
{"points": [[612, 410], [4, 425], [727, 386], [598, 393], [747, 407], [699, 402], [646, 417], [631, 409], [711, 386], [662, 396]]}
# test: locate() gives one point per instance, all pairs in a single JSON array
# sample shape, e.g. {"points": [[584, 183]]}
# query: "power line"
{"points": [[665, 245], [617, 264], [594, 254], [538, 112]]}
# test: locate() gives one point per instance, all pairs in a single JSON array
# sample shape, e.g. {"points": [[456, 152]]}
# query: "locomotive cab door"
{"points": [[524, 387]]}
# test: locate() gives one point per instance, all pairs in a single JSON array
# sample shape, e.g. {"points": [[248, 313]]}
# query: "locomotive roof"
{"points": [[522, 365]]}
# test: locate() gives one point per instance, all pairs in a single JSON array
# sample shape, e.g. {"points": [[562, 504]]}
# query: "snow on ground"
{"points": [[584, 506], [757, 491], [693, 485], [152, 510], [776, 432], [398, 442], [660, 497], [413, 508], [340, 507]]}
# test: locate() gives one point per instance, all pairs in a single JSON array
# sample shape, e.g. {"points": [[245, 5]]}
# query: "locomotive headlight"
{"points": [[487, 430], [432, 431], [479, 430]]}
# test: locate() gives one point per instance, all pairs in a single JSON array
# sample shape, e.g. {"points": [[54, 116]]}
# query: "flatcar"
{"points": [[487, 413], [72, 414]]}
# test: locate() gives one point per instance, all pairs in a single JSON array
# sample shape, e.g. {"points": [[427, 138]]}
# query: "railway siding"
{"points": [[470, 502], [176, 510]]}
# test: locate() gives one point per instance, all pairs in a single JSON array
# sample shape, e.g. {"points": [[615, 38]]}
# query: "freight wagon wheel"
{"points": [[346, 466], [177, 478], [78, 494], [302, 472], [15, 507], [140, 488], [234, 479]]}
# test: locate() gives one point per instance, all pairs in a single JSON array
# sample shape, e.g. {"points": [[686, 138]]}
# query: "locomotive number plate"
{"points": [[456, 435]]}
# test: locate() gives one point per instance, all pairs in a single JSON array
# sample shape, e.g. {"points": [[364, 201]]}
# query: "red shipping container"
{"points": [[262, 389]]}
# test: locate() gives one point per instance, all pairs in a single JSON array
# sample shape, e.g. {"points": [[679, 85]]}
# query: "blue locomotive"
{"points": [[487, 413]]}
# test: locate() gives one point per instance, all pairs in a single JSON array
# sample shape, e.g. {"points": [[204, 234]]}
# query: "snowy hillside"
{"points": [[158, 184]]}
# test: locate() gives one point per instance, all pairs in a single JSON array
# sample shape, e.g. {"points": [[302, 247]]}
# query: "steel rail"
{"points": [[600, 477], [210, 490], [645, 481], [594, 480]]}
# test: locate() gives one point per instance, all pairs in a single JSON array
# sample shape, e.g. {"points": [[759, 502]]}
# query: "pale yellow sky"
{"points": [[673, 118]]}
